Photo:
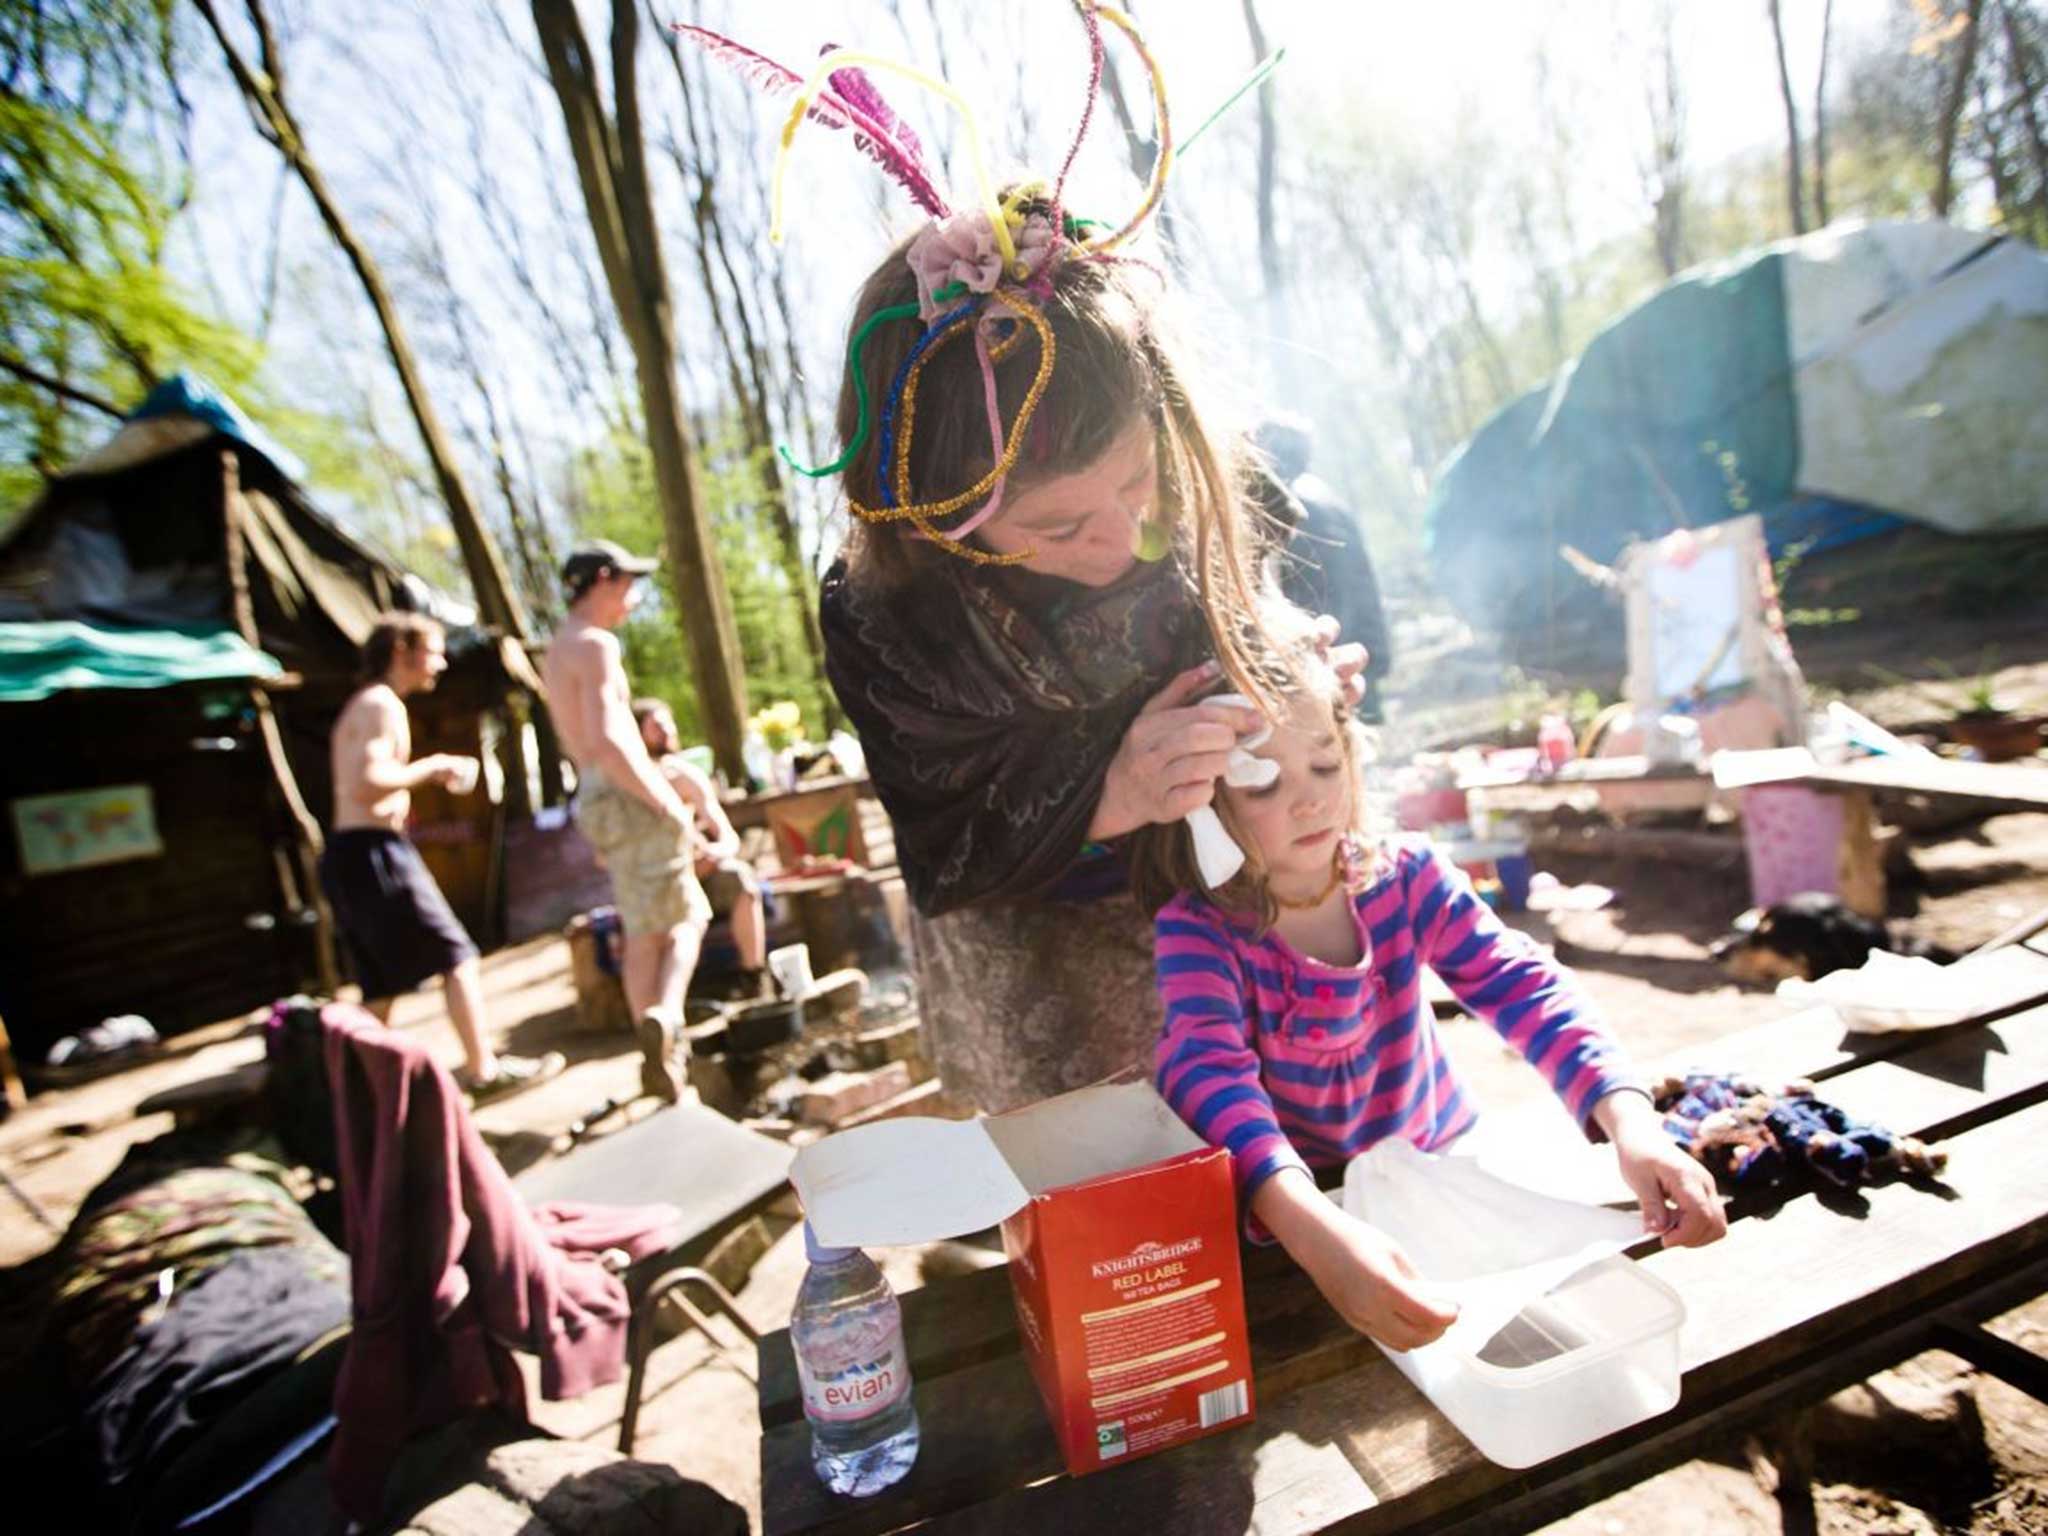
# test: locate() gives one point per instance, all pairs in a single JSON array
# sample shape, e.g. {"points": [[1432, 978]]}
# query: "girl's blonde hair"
{"points": [[1119, 360], [1162, 856]]}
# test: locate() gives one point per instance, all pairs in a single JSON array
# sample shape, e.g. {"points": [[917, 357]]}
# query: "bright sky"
{"points": [[1438, 67]]}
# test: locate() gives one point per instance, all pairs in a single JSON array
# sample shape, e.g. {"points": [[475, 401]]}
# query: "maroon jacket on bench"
{"points": [[451, 1271]]}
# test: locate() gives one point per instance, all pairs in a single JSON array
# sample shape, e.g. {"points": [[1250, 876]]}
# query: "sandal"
{"points": [[514, 1074]]}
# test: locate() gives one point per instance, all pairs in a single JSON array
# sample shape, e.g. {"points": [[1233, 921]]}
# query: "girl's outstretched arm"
{"points": [[1361, 1271], [1678, 1197], [1501, 975]]}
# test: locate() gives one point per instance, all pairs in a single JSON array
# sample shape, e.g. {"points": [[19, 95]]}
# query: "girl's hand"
{"points": [[1347, 661], [1171, 757], [1678, 1197], [1361, 1271], [1368, 1278]]}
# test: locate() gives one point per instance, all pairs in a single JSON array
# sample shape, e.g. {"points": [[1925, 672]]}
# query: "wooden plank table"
{"points": [[1784, 1311]]}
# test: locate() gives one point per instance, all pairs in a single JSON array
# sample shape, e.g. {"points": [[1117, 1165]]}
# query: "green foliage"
{"points": [[85, 207]]}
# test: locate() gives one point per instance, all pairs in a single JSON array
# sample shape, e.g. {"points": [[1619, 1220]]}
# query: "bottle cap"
{"points": [[818, 1253]]}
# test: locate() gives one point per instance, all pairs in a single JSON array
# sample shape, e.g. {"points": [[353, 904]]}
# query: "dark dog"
{"points": [[1808, 936]]}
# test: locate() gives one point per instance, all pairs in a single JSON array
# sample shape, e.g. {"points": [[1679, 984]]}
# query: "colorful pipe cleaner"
{"points": [[982, 271]]}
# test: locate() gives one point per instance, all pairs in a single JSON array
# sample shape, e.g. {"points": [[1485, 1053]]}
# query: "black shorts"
{"points": [[398, 925]]}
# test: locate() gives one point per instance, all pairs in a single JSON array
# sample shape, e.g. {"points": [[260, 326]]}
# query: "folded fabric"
{"points": [[244, 1321], [1755, 1137]]}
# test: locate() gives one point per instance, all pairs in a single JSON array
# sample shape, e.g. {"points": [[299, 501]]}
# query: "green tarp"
{"points": [[39, 659]]}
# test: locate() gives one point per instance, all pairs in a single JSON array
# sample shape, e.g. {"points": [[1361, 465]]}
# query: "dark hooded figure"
{"points": [[1328, 569]]}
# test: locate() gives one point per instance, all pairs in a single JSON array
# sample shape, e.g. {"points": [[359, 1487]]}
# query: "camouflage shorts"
{"points": [[654, 883]]}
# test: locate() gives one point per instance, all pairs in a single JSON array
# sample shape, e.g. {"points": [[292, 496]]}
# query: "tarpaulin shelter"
{"points": [[179, 626], [1834, 384]]}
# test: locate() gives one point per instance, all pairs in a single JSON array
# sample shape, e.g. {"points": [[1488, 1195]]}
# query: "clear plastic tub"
{"points": [[1560, 1338], [1595, 1355]]}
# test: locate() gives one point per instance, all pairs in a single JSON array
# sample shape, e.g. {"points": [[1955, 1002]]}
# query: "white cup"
{"points": [[791, 968]]}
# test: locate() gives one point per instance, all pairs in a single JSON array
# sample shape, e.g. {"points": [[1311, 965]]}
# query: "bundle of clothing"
{"points": [[1756, 1137], [197, 1317]]}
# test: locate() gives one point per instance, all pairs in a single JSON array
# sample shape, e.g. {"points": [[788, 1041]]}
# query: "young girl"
{"points": [[1296, 1033]]}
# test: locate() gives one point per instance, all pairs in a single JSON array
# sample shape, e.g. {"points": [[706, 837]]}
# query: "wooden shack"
{"points": [[186, 535]]}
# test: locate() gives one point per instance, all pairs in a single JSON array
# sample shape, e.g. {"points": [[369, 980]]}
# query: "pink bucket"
{"points": [[1793, 836]]}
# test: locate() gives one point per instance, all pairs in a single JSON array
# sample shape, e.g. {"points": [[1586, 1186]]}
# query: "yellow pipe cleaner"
{"points": [[1163, 163], [840, 58]]}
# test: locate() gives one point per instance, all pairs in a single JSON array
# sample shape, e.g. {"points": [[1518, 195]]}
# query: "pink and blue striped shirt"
{"points": [[1292, 1062]]}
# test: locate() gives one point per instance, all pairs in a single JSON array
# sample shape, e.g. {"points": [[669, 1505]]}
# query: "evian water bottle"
{"points": [[847, 1332]]}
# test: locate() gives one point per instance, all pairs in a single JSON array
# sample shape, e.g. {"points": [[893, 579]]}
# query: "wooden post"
{"points": [[1861, 869], [308, 842]]}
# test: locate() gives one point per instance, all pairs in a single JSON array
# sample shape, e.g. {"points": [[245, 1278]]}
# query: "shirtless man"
{"points": [[396, 921], [642, 826], [729, 881]]}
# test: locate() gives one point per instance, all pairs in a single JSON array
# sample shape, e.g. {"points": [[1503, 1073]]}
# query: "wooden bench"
{"points": [[1784, 1311]]}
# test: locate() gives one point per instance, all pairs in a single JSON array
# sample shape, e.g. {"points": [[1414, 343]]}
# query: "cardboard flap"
{"points": [[1090, 1132], [914, 1180]]}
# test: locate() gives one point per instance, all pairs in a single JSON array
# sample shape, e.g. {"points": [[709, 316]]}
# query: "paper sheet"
{"points": [[1487, 1244]]}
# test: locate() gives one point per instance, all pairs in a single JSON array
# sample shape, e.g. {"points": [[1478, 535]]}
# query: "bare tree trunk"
{"points": [[1665, 179], [611, 164], [1795, 183], [1143, 151], [1280, 339], [263, 92], [1952, 111], [2004, 188], [2019, 63], [1820, 117], [747, 372]]}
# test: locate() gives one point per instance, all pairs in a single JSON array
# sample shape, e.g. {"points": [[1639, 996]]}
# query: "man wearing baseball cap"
{"points": [[635, 818], [596, 559]]}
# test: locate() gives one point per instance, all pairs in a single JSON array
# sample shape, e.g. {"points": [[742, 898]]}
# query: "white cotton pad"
{"points": [[1216, 852]]}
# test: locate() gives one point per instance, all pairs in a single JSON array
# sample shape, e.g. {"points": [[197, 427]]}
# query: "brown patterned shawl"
{"points": [[990, 703]]}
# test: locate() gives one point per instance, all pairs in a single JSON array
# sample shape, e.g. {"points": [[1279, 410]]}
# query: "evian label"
{"points": [[862, 1386], [1144, 1256]]}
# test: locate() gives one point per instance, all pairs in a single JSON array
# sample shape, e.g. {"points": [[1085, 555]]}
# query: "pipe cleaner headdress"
{"points": [[982, 271]]}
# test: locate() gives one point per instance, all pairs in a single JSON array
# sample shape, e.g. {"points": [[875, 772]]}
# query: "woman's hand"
{"points": [[1347, 661], [1361, 1271], [1171, 757], [1678, 1197]]}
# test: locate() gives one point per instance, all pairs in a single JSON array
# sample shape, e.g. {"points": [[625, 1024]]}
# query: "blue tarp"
{"points": [[56, 656]]}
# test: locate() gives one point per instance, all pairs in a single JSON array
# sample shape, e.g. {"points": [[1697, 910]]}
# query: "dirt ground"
{"points": [[1932, 1446]]}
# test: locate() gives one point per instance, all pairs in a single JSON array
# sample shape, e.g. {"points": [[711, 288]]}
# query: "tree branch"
{"points": [[58, 387], [1952, 111]]}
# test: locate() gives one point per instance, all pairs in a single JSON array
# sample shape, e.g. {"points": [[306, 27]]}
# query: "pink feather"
{"points": [[881, 140], [856, 89]]}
